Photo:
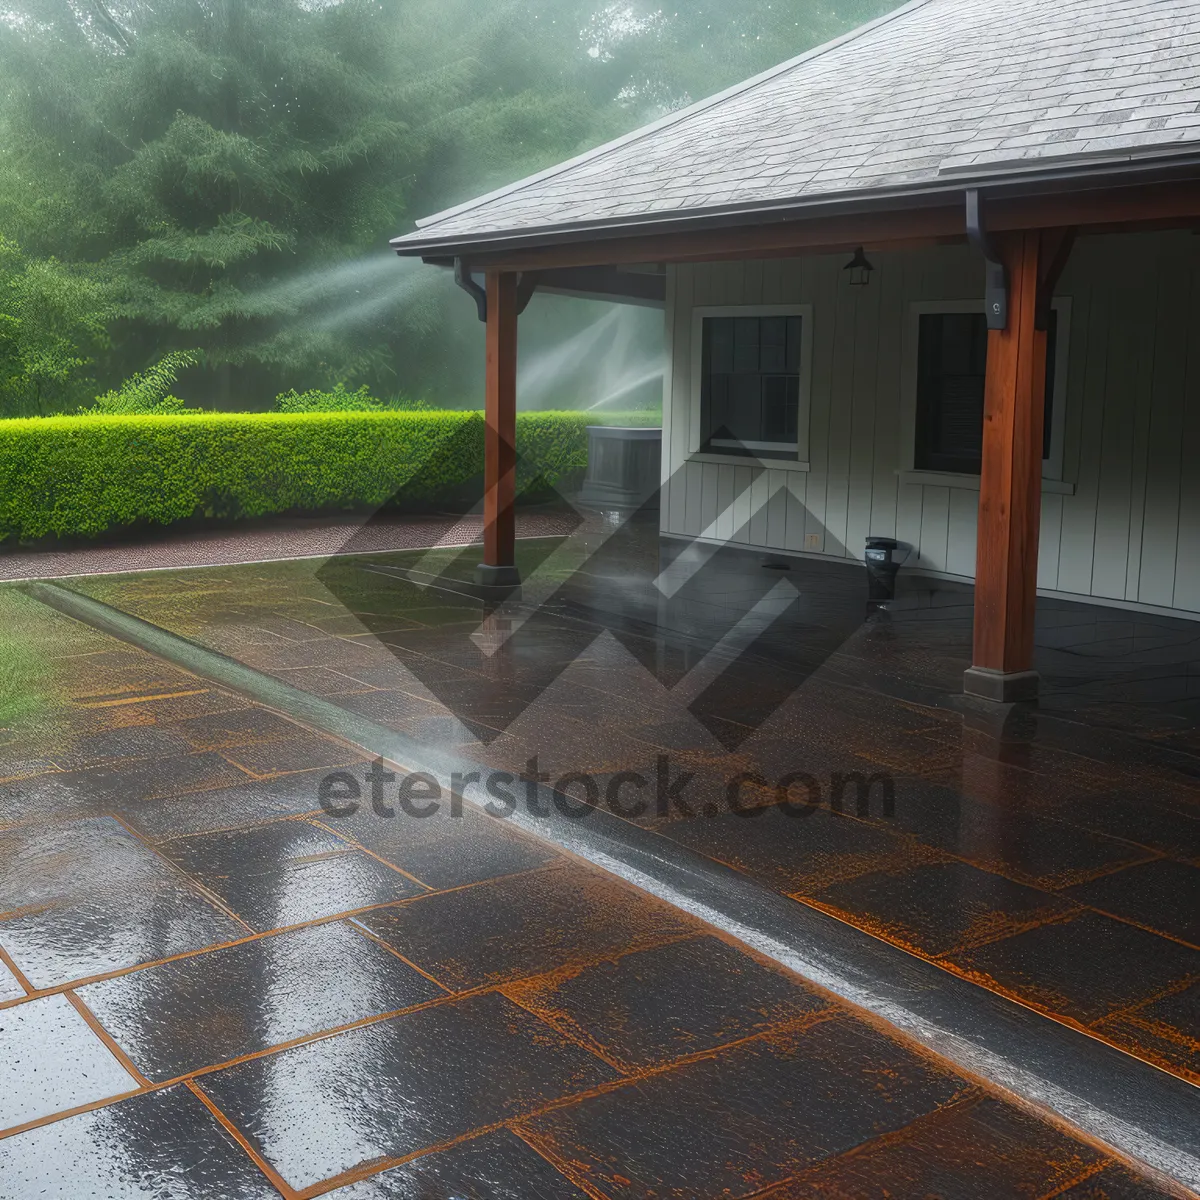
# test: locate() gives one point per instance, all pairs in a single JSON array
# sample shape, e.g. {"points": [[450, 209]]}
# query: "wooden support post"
{"points": [[1010, 500], [499, 568]]}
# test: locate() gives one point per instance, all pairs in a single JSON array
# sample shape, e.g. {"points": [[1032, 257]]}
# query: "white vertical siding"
{"points": [[1164, 446], [1051, 543], [1130, 343], [819, 279], [1085, 417], [1187, 552], [886, 432], [1128, 529]]}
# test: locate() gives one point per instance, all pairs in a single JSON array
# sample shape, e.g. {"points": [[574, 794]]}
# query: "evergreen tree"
{"points": [[53, 320], [232, 169], [215, 150]]}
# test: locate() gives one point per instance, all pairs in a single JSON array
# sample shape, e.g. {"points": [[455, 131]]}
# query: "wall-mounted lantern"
{"points": [[860, 269]]}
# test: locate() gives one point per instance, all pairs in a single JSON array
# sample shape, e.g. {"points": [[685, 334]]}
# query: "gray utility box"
{"points": [[624, 467]]}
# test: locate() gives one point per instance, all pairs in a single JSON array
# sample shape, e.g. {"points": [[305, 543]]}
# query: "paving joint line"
{"points": [[1142, 1112]]}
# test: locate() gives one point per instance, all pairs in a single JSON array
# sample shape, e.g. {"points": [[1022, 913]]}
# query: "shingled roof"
{"points": [[940, 94]]}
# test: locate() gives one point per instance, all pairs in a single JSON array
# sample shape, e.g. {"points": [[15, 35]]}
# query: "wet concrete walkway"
{"points": [[268, 540], [210, 985], [1050, 855]]}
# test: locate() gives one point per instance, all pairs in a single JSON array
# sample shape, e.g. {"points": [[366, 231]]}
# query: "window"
{"points": [[951, 368], [750, 385]]}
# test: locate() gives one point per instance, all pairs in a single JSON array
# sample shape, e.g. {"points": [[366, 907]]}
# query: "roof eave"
{"points": [[1007, 182]]}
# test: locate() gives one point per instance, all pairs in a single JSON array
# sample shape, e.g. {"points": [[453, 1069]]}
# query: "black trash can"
{"points": [[884, 558]]}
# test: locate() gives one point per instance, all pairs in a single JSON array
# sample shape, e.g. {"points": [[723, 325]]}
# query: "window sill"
{"points": [[970, 483], [747, 460]]}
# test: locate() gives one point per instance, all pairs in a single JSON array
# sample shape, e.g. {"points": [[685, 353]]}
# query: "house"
{"points": [[935, 280]]}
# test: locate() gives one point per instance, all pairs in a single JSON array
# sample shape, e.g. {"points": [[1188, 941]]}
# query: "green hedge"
{"points": [[82, 476]]}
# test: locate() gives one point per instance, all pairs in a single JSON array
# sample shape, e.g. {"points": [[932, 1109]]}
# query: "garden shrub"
{"points": [[338, 400], [341, 400], [82, 476], [147, 392]]}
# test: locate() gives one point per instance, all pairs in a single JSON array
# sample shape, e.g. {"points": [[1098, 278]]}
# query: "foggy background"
{"points": [[222, 176]]}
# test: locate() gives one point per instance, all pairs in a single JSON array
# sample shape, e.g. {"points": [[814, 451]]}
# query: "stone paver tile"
{"points": [[444, 849], [84, 898], [162, 1144], [51, 1061], [287, 873], [215, 1007], [751, 1116], [390, 1089], [1086, 968], [513, 928], [983, 1148], [936, 908], [496, 1166], [650, 1007]]}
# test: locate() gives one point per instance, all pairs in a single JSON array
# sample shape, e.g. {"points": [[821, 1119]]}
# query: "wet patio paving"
{"points": [[212, 986]]}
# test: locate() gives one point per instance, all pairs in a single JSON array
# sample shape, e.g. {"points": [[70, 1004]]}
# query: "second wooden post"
{"points": [[499, 568]]}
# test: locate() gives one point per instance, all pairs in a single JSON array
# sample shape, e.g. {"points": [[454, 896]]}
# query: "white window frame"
{"points": [[803, 417], [1052, 465]]}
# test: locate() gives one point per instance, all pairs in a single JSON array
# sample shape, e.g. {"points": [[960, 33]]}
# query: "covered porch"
{"points": [[1083, 493]]}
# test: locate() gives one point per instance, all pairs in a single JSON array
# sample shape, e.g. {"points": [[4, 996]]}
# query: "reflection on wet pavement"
{"points": [[399, 1009], [999, 829], [87, 897], [174, 1019], [160, 1143], [287, 873], [387, 1090]]}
